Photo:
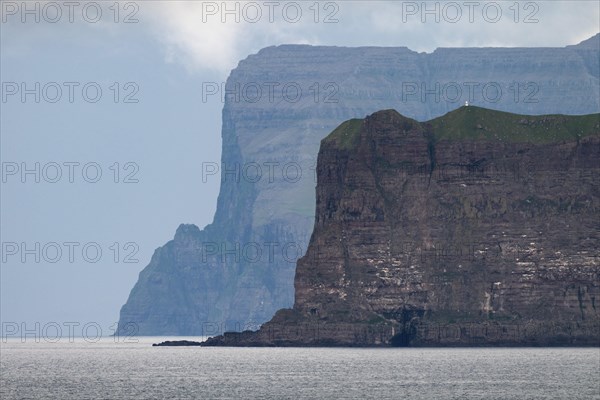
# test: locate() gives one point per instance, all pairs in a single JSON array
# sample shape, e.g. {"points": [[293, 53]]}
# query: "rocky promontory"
{"points": [[479, 227], [177, 343], [236, 272]]}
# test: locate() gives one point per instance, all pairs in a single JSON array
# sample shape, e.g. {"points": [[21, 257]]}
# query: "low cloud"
{"points": [[179, 27], [206, 35], [215, 35]]}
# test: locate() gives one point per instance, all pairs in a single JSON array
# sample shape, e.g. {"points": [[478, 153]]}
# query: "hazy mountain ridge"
{"points": [[191, 288]]}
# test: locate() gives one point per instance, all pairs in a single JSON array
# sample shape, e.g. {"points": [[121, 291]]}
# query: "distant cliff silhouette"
{"points": [[238, 271]]}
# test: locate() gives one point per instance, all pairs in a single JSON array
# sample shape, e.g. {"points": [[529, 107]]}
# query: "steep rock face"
{"points": [[476, 228], [236, 272]]}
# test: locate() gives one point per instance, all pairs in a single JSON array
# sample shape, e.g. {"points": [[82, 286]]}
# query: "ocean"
{"points": [[109, 369]]}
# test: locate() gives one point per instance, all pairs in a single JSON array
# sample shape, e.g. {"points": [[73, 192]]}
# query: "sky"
{"points": [[104, 127]]}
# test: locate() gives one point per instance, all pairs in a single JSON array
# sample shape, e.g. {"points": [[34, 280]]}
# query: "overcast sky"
{"points": [[149, 131]]}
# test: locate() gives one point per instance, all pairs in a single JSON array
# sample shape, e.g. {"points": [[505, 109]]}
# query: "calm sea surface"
{"points": [[109, 370]]}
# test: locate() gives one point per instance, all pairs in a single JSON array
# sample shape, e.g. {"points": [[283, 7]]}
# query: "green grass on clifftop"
{"points": [[476, 123], [346, 134]]}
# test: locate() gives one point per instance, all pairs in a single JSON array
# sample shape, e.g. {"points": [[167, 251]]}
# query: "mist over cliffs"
{"points": [[238, 271], [476, 228]]}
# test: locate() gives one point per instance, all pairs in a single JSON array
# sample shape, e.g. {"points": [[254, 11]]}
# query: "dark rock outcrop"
{"points": [[476, 228], [238, 271], [177, 343]]}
